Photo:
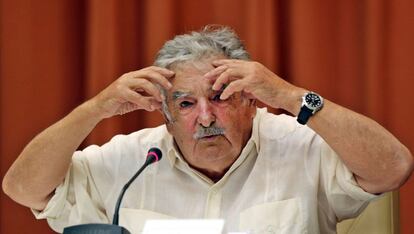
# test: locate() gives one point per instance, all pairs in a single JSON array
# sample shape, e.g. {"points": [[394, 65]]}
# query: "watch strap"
{"points": [[304, 114]]}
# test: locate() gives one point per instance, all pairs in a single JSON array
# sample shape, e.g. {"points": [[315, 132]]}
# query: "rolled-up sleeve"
{"points": [[346, 198], [77, 200]]}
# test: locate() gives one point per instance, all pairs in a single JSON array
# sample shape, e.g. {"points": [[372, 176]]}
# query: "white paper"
{"points": [[184, 226]]}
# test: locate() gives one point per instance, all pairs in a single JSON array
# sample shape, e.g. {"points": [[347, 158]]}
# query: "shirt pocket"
{"points": [[134, 219], [274, 217]]}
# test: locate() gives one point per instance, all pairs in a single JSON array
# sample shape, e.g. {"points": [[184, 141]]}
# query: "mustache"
{"points": [[209, 131]]}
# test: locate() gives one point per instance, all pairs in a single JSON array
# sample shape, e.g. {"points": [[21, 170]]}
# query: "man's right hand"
{"points": [[133, 91], [53, 148]]}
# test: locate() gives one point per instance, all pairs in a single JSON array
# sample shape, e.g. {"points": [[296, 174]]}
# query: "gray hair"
{"points": [[210, 41], [196, 45]]}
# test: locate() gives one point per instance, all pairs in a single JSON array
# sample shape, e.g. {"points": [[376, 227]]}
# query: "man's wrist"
{"points": [[293, 99], [91, 111]]}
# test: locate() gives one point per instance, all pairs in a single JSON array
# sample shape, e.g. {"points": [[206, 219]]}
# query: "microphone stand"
{"points": [[126, 186]]}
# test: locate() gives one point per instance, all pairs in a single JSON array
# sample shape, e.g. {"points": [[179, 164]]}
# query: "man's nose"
{"points": [[206, 116]]}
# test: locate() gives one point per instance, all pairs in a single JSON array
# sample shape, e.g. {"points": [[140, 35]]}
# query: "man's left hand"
{"points": [[255, 81]]}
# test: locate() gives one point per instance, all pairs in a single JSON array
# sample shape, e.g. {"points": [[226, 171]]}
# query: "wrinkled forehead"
{"points": [[189, 79], [192, 68]]}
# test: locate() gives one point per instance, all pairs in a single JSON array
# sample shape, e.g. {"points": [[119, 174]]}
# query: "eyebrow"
{"points": [[180, 94]]}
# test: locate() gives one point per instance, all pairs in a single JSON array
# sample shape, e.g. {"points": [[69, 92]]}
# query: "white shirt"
{"points": [[286, 180]]}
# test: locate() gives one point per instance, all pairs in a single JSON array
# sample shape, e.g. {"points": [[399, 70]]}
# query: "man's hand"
{"points": [[378, 160], [132, 91], [255, 81], [53, 148]]}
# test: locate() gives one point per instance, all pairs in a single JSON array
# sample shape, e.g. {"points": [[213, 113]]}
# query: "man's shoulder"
{"points": [[144, 136]]}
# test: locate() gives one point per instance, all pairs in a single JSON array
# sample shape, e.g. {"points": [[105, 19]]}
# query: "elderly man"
{"points": [[225, 158]]}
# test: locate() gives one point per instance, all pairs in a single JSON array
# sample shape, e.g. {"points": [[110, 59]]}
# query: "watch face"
{"points": [[313, 100]]}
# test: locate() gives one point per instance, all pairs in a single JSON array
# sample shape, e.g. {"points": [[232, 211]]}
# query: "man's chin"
{"points": [[212, 154], [212, 146]]}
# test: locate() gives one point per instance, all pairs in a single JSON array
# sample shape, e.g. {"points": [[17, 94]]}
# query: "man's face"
{"points": [[209, 132]]}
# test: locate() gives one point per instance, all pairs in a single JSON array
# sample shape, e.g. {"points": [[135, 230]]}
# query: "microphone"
{"points": [[154, 155]]}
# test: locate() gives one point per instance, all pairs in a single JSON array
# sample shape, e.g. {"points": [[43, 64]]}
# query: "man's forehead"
{"points": [[186, 72], [202, 65], [183, 93], [190, 83]]}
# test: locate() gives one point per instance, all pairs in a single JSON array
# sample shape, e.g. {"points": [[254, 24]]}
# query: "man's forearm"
{"points": [[43, 164], [378, 160]]}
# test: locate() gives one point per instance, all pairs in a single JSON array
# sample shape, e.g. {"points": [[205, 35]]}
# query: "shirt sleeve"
{"points": [[345, 197], [78, 200]]}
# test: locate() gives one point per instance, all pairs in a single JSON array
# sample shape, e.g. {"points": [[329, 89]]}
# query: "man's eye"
{"points": [[185, 104]]}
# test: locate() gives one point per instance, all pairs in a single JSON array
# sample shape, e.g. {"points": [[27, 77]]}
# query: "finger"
{"points": [[224, 78], [153, 76], [220, 62], [221, 80], [233, 87], [163, 71], [155, 104], [137, 99], [215, 72], [159, 79], [147, 103], [145, 85], [126, 108]]}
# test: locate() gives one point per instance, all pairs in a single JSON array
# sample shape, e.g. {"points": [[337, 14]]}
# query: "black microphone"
{"points": [[154, 155]]}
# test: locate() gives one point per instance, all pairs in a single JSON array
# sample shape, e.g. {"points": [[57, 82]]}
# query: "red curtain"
{"points": [[56, 54]]}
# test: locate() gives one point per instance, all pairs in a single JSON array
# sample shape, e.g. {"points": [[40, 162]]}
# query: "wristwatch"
{"points": [[311, 103]]}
